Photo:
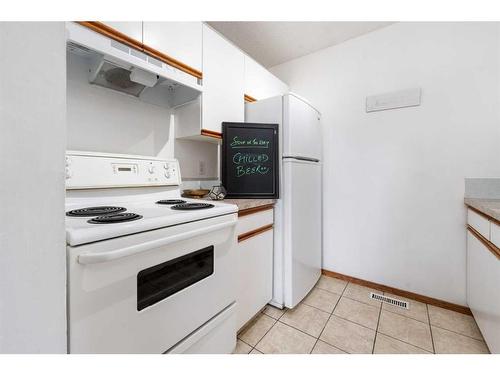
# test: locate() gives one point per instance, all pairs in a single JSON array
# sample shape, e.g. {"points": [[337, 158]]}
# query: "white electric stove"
{"points": [[148, 270]]}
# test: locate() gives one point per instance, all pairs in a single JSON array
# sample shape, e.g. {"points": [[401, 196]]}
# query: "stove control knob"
{"points": [[166, 166], [167, 174], [68, 173], [151, 169], [68, 161]]}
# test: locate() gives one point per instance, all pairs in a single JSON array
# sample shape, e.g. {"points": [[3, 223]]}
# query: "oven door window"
{"points": [[161, 281]]}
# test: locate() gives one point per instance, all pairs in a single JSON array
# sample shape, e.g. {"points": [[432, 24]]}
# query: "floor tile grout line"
{"points": [[331, 314], [364, 303], [460, 334], [359, 324], [406, 316], [254, 320], [409, 317], [298, 329], [350, 321], [430, 329], [384, 333], [325, 290], [376, 330], [328, 312], [404, 342], [269, 330], [323, 341]]}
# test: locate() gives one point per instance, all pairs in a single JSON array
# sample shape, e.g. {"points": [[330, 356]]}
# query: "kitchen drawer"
{"points": [[479, 223], [255, 275], [495, 234], [254, 221], [483, 295]]}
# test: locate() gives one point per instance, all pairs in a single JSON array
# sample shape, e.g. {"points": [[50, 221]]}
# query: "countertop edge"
{"points": [[246, 204]]}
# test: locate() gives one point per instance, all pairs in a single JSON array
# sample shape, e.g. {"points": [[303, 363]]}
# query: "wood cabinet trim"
{"points": [[482, 214], [211, 133], [249, 99], [253, 210], [109, 32], [255, 232], [399, 292], [489, 245], [114, 34]]}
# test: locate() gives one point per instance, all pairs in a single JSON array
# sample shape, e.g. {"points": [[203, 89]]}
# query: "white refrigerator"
{"points": [[298, 212]]}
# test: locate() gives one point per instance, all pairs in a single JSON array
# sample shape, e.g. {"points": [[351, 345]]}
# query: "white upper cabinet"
{"points": [[179, 40], [131, 29], [223, 81], [260, 83]]}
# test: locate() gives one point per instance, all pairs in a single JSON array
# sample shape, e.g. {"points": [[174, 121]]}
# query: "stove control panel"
{"points": [[88, 170]]}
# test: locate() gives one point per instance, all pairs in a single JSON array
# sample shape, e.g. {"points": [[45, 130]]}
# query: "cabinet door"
{"points": [[260, 83], [483, 295], [179, 40], [132, 29], [255, 276], [223, 80]]}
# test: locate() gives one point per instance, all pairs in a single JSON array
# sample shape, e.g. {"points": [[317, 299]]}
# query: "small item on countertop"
{"points": [[217, 193], [195, 193]]}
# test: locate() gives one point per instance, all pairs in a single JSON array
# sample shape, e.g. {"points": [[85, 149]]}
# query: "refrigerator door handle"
{"points": [[303, 158]]}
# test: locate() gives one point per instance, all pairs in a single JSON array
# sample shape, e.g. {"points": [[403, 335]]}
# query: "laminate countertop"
{"points": [[245, 204], [489, 207]]}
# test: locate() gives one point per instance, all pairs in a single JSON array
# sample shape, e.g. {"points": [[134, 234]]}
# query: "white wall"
{"points": [[394, 180], [32, 144]]}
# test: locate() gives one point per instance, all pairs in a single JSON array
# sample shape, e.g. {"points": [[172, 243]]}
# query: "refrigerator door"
{"points": [[301, 130], [302, 228]]}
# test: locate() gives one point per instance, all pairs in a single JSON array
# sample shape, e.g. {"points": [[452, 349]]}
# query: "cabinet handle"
{"points": [[255, 232], [490, 246]]}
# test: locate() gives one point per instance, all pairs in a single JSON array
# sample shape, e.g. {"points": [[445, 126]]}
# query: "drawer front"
{"points": [[255, 276], [483, 296], [254, 221], [495, 234], [479, 223]]}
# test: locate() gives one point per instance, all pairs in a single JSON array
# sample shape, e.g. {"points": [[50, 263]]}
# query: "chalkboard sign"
{"points": [[250, 160]]}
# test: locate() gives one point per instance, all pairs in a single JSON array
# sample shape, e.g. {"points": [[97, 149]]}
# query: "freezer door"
{"points": [[301, 130], [302, 228]]}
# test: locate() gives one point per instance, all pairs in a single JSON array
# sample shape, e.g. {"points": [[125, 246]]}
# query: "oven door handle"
{"points": [[92, 258]]}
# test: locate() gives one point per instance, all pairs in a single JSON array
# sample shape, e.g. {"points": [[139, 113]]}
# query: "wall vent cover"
{"points": [[390, 301]]}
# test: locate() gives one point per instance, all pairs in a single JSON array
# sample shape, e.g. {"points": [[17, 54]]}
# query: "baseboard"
{"points": [[400, 292]]}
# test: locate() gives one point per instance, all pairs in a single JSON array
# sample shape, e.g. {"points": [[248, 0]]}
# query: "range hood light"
{"points": [[144, 78]]}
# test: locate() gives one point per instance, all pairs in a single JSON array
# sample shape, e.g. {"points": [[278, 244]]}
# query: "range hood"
{"points": [[113, 76], [118, 67]]}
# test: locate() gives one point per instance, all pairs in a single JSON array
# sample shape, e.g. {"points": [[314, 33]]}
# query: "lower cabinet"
{"points": [[255, 264], [483, 294]]}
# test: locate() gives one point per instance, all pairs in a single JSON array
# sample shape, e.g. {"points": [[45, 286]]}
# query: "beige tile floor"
{"points": [[339, 318]]}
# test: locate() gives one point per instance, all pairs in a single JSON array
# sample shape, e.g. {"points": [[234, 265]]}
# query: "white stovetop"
{"points": [[155, 216]]}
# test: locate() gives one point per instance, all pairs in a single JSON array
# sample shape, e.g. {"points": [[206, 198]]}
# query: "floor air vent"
{"points": [[390, 301]]}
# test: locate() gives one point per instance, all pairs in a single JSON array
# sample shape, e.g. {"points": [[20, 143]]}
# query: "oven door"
{"points": [[145, 292]]}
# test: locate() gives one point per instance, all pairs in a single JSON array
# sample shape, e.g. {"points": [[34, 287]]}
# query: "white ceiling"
{"points": [[273, 43]]}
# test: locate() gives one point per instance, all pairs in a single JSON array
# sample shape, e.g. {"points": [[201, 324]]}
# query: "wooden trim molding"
{"points": [[173, 62], [211, 133], [255, 232], [109, 32], [489, 218], [400, 292], [489, 245], [249, 98], [253, 210]]}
